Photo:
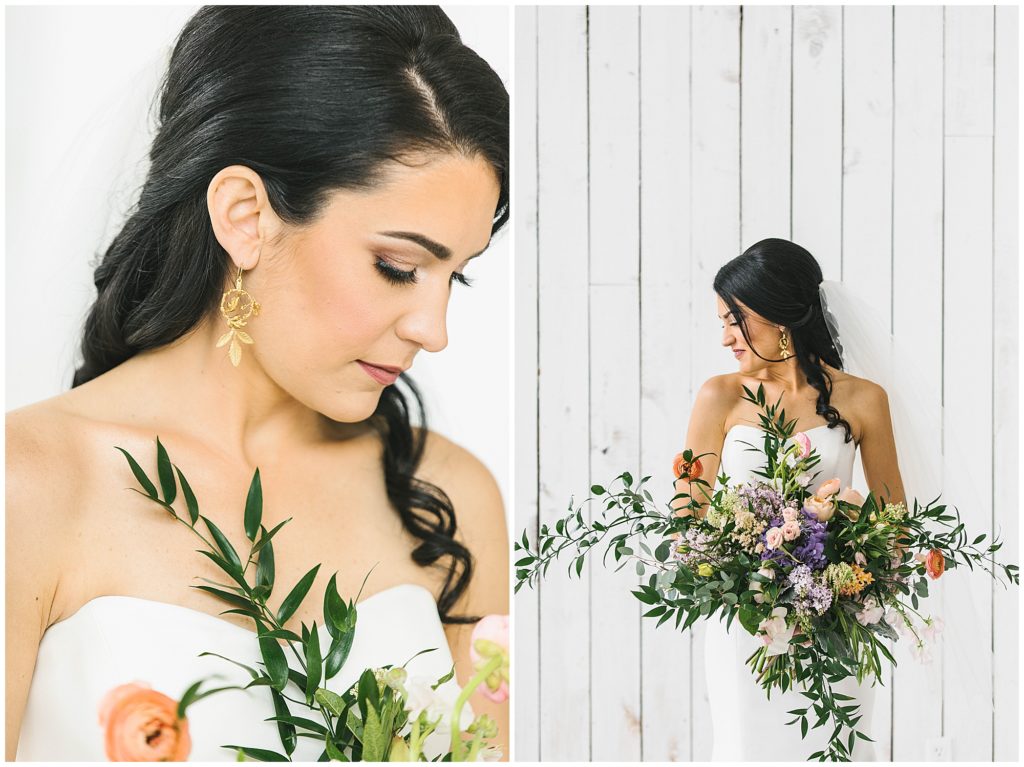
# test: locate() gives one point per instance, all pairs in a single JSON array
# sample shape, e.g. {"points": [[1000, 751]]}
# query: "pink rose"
{"points": [[829, 488], [789, 514], [142, 725], [489, 641], [804, 443], [791, 530], [819, 507], [773, 538]]}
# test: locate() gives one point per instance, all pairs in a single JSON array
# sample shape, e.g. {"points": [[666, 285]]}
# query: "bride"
{"points": [[774, 325], [338, 167]]}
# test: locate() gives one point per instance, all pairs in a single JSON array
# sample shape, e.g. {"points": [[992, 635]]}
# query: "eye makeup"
{"points": [[397, 276]]}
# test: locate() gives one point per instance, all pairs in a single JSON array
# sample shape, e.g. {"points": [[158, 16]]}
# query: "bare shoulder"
{"points": [[480, 519], [858, 394], [43, 468], [716, 399], [465, 479]]}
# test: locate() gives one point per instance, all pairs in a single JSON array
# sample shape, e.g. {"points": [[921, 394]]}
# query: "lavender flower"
{"points": [[695, 547], [810, 594]]}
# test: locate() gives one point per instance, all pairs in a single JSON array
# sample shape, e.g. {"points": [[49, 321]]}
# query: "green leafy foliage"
{"points": [[359, 724]]}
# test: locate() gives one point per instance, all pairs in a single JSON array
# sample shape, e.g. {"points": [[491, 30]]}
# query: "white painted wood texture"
{"points": [[654, 144]]}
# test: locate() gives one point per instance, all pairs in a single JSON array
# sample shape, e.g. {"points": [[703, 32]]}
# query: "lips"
{"points": [[382, 374], [737, 352]]}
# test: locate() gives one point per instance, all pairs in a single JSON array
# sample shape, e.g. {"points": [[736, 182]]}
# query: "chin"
{"points": [[350, 407]]}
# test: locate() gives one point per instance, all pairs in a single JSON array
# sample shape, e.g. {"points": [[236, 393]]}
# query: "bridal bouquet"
{"points": [[384, 716], [821, 577]]}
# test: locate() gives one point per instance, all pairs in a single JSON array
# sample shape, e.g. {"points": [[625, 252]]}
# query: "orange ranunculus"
{"points": [[935, 564], [142, 725], [688, 470]]}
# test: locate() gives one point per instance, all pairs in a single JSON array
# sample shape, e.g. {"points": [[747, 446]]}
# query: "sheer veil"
{"points": [[870, 351]]}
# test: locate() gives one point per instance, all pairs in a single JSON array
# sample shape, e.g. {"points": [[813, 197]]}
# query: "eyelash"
{"points": [[397, 276]]}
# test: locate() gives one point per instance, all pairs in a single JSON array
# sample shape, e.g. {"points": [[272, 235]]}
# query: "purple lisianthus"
{"points": [[810, 548]]}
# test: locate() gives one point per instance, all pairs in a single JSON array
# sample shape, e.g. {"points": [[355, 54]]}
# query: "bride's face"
{"points": [[763, 337], [348, 301]]}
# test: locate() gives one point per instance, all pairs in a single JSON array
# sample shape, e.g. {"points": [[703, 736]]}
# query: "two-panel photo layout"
{"points": [[512, 383]]}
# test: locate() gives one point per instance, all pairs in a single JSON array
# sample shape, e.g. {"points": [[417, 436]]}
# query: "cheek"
{"points": [[338, 308]]}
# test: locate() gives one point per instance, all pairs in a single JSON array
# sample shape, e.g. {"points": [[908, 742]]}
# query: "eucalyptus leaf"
{"points": [[265, 569], [285, 729], [165, 473], [296, 595], [273, 658], [313, 663], [265, 539], [261, 754], [223, 544], [254, 507], [338, 653], [140, 475], [190, 498]]}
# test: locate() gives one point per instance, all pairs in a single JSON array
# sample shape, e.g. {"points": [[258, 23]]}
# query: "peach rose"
{"points": [[829, 488], [773, 538], [935, 564], [820, 507], [804, 443], [791, 530], [851, 496], [142, 725], [688, 470]]}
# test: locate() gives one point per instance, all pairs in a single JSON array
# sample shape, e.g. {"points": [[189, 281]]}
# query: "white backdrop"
{"points": [[655, 144], [80, 81]]}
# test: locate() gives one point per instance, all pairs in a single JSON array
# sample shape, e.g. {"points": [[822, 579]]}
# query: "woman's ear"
{"points": [[240, 214]]}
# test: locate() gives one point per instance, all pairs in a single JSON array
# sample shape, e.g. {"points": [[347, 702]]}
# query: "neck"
{"points": [[788, 375], [238, 410]]}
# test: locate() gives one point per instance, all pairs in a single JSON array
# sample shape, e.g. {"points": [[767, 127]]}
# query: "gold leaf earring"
{"points": [[237, 306], [784, 345]]}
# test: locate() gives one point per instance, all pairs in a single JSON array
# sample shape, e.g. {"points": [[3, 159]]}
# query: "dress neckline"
{"points": [[758, 428], [96, 601]]}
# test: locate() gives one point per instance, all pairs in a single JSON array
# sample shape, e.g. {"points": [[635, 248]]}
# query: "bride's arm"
{"points": [[480, 517], [706, 434], [877, 446], [33, 534]]}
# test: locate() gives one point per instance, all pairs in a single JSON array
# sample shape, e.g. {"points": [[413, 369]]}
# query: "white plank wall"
{"points": [[652, 145], [526, 669]]}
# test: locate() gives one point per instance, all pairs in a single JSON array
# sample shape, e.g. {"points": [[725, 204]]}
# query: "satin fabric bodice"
{"points": [[746, 725], [114, 640]]}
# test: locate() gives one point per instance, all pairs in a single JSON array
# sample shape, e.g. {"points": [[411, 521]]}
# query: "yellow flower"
{"points": [[704, 570]]}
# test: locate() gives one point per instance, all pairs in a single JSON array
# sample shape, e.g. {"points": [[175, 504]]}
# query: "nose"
{"points": [[727, 336], [425, 323]]}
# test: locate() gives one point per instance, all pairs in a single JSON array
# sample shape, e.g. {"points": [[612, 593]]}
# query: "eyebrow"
{"points": [[723, 316], [441, 252]]}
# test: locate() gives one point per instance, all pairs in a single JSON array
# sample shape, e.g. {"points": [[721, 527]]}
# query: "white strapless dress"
{"points": [[746, 726], [114, 640]]}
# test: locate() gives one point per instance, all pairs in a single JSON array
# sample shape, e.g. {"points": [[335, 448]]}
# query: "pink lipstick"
{"points": [[382, 374]]}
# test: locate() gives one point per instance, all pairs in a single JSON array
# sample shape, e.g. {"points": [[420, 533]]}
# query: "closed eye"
{"points": [[395, 275], [462, 279]]}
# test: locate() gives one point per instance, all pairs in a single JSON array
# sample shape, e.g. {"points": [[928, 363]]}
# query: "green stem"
{"points": [[485, 671]]}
